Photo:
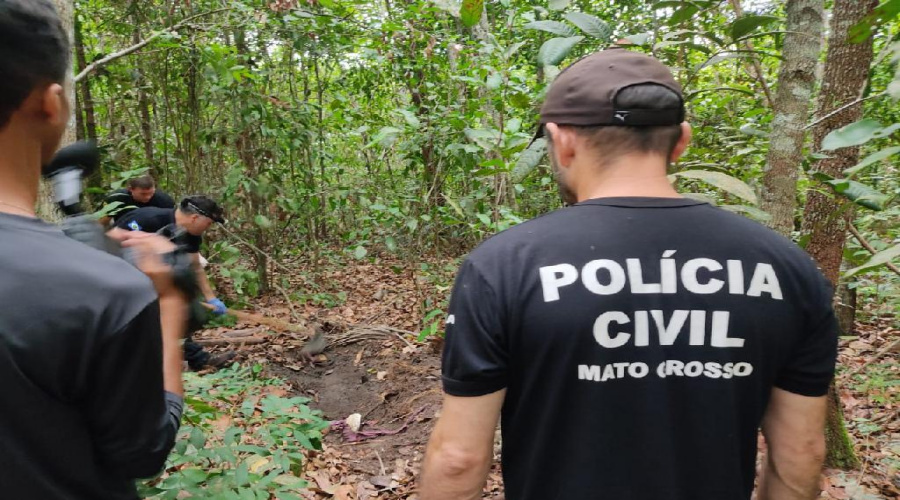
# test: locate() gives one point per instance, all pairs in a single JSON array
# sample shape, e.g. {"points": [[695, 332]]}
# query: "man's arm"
{"points": [[794, 427], [460, 451], [202, 278], [172, 303]]}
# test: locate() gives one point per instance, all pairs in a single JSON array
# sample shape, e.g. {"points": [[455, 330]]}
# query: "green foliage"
{"points": [[556, 49], [405, 128], [878, 259], [722, 181], [590, 25], [238, 440], [857, 133], [470, 12], [745, 25]]}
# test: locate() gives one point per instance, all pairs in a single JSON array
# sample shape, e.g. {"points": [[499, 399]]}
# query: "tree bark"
{"points": [[46, 208], [143, 101], [86, 112], [796, 82], [826, 217]]}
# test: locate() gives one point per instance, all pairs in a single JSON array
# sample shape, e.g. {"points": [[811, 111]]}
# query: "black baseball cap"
{"points": [[585, 93], [204, 206]]}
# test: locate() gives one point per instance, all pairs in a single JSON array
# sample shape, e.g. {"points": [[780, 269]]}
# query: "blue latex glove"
{"points": [[220, 307]]}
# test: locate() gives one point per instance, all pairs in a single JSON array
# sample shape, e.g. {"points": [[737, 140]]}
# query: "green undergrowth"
{"points": [[240, 439]]}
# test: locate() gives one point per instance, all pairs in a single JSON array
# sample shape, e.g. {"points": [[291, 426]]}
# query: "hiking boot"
{"points": [[219, 360]]}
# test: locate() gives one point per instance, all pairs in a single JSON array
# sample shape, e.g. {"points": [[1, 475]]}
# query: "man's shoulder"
{"points": [[162, 199], [118, 195], [76, 280], [136, 219]]}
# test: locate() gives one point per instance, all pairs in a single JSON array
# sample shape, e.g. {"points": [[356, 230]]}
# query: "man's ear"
{"points": [[682, 144], [54, 105], [563, 140]]}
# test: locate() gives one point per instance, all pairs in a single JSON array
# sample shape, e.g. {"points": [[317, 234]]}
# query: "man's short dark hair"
{"points": [[615, 141], [203, 205], [142, 182], [34, 51]]}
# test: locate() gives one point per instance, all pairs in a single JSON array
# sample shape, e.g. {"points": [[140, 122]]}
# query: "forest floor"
{"points": [[392, 382]]}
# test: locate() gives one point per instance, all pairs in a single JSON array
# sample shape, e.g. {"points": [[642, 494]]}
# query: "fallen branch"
{"points": [[894, 345], [862, 241], [232, 340], [90, 68]]}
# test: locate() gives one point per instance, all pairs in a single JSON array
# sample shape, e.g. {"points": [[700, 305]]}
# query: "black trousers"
{"points": [[193, 352]]}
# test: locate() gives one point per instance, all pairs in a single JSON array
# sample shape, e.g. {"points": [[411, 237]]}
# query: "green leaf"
{"points": [[749, 129], [385, 137], [752, 212], [860, 193], [494, 81], [194, 475], [590, 25], [683, 14], [889, 9], [411, 119], [262, 221], [558, 4], [360, 252], [639, 38], [555, 50], [529, 159], [470, 12], [746, 24], [722, 181], [197, 438], [854, 134], [873, 158], [391, 243], [878, 259], [555, 27]]}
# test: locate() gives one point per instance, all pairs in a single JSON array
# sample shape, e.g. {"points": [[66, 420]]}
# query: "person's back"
{"points": [[90, 352], [643, 338], [635, 341], [72, 425]]}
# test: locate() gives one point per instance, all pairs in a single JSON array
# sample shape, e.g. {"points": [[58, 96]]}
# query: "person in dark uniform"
{"points": [[141, 192], [635, 341], [90, 347], [186, 225]]}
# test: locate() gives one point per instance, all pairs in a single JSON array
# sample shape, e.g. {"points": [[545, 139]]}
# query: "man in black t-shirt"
{"points": [[141, 192], [634, 342], [90, 352], [187, 223]]}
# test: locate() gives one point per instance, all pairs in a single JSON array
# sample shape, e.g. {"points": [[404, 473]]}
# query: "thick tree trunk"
{"points": [[46, 208], [796, 82], [825, 216]]}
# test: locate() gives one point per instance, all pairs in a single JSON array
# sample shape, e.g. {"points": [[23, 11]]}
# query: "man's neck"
{"points": [[628, 176], [20, 173]]}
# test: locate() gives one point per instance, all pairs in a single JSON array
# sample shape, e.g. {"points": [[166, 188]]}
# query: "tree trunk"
{"points": [[46, 209], [86, 112], [845, 308], [796, 80], [143, 102], [825, 216]]}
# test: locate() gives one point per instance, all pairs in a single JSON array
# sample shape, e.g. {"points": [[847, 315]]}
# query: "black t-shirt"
{"points": [[152, 219], [160, 200], [638, 340], [82, 406]]}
